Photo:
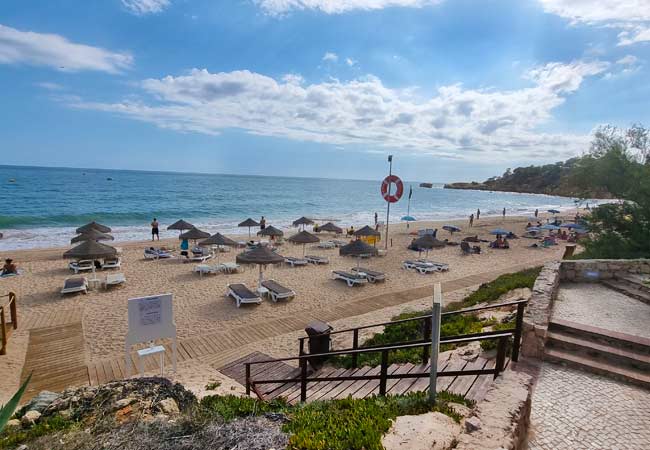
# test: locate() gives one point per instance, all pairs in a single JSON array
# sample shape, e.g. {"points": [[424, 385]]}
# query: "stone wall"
{"points": [[593, 270]]}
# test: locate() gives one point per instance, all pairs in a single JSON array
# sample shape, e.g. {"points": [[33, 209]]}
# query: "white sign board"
{"points": [[150, 318]]}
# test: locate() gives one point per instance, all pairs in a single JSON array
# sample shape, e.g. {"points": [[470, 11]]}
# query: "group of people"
{"points": [[471, 217]]}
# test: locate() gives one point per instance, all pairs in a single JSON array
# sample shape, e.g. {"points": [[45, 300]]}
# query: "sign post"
{"points": [[390, 173], [386, 187], [435, 341]]}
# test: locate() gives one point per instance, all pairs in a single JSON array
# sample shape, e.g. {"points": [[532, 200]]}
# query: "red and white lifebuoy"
{"points": [[393, 197]]}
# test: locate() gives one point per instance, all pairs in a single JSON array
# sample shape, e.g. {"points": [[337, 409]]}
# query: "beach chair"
{"points": [[326, 244], [156, 253], [242, 294], [112, 263], [316, 260], [81, 265], [76, 284], [204, 269], [114, 279], [277, 291], [420, 267], [293, 262], [442, 267], [230, 267], [200, 255], [350, 278], [371, 275], [339, 243]]}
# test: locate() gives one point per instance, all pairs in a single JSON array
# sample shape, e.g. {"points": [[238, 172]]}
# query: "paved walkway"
{"points": [[575, 410], [596, 305]]}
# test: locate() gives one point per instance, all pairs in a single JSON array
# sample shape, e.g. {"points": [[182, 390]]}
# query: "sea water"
{"points": [[41, 207]]}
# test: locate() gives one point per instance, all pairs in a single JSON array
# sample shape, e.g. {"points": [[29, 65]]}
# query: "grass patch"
{"points": [[50, 425], [212, 385], [229, 407]]}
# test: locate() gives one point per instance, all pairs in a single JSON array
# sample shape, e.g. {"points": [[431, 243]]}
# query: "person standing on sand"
{"points": [[376, 220], [504, 213], [262, 223], [155, 232], [478, 213], [471, 220], [536, 212]]}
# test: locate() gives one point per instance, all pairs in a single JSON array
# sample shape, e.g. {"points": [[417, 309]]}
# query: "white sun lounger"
{"points": [[326, 244], [112, 263], [421, 267], [203, 269], [277, 291], [76, 284], [339, 243], [230, 267], [242, 294], [442, 266], [350, 278], [199, 258], [80, 266], [293, 262], [156, 253], [114, 279], [317, 259], [371, 275]]}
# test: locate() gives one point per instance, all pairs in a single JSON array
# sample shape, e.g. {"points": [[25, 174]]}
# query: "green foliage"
{"points": [[490, 292], [229, 407], [212, 385], [492, 343], [6, 411], [46, 426]]}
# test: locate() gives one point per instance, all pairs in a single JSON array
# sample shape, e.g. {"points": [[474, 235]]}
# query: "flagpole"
{"points": [[390, 172], [408, 208]]}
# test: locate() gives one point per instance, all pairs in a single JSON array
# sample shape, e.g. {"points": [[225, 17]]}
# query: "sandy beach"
{"points": [[200, 305]]}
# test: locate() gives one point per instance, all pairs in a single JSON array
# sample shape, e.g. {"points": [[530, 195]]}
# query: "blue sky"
{"points": [[455, 89]]}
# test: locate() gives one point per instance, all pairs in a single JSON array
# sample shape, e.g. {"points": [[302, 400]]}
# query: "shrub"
{"points": [[48, 425], [230, 407], [492, 343]]}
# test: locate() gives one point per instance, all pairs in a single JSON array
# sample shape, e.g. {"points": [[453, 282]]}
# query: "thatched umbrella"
{"points": [[367, 231], [92, 235], [330, 227], [427, 242], [302, 221], [93, 226], [304, 237], [90, 250], [217, 239], [180, 225], [260, 255], [359, 249], [249, 223], [270, 231]]}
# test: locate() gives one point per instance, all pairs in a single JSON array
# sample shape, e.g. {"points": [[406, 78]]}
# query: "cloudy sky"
{"points": [[455, 89]]}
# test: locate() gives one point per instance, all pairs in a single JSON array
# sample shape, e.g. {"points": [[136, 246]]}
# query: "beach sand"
{"points": [[200, 306]]}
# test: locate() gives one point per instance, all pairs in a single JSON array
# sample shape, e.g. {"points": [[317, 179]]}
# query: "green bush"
{"points": [[12, 439], [492, 343], [230, 407]]}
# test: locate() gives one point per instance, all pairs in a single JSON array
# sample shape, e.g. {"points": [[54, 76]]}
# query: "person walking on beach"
{"points": [[536, 212], [376, 220], [504, 213], [471, 220], [155, 232], [478, 213], [262, 223]]}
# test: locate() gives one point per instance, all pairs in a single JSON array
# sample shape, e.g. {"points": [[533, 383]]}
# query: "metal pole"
{"points": [[435, 341], [390, 172]]}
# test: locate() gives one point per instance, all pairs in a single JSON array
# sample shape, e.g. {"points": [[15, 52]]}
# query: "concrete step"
{"points": [[637, 377], [632, 289], [634, 344], [601, 352]]}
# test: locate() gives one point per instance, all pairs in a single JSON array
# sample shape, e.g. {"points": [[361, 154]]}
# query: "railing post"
{"points": [[3, 325], [301, 351], [383, 372], [519, 322], [12, 310], [248, 379], [303, 379], [355, 345], [427, 336], [501, 355]]}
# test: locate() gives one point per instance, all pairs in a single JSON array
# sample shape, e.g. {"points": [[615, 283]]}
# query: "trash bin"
{"points": [[319, 341]]}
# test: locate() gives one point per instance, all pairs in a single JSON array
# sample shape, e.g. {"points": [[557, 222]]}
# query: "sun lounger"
{"points": [[203, 269], [339, 243], [424, 267], [277, 291], [326, 244], [317, 259], [242, 294], [114, 279], [76, 284], [199, 257], [293, 262], [230, 267], [371, 275], [156, 253], [441, 266], [112, 263], [80, 266], [350, 278]]}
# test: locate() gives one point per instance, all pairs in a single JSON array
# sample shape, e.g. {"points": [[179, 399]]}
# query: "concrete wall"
{"points": [[593, 270]]}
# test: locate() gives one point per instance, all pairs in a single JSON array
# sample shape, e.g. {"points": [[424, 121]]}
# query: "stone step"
{"points": [[637, 377], [636, 344], [631, 289], [602, 352]]}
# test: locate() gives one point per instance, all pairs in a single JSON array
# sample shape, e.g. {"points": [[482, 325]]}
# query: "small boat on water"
{"points": [[426, 185], [12, 180], [109, 179]]}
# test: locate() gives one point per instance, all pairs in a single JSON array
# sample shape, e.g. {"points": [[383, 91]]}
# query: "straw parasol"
{"points": [[260, 255], [270, 231], [451, 228], [180, 225], [194, 234], [359, 249], [249, 223], [90, 250], [302, 221], [93, 226], [92, 235], [427, 242], [217, 239], [367, 231], [304, 237], [329, 226]]}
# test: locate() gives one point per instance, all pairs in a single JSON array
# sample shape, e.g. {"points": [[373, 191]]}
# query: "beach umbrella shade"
{"points": [[302, 221], [249, 223], [260, 255], [408, 218], [554, 211], [428, 242], [270, 231], [367, 231], [499, 231], [194, 234], [359, 249], [304, 237], [92, 235], [330, 227], [93, 226], [217, 239], [91, 250], [451, 228], [180, 225]]}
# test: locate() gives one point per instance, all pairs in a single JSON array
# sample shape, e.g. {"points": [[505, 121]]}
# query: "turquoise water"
{"points": [[43, 206]]}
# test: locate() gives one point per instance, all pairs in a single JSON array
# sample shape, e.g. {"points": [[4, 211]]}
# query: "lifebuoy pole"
{"points": [[390, 185]]}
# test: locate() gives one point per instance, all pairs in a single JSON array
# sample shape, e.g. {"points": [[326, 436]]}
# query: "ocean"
{"points": [[41, 207]]}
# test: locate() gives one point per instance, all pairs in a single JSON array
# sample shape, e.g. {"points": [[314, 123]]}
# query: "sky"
{"points": [[456, 90]]}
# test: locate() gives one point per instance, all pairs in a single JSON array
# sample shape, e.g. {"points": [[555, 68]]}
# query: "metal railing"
{"points": [[4, 331]]}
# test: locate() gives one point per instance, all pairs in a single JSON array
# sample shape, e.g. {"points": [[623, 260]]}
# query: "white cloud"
{"points": [[330, 56], [456, 122], [350, 62], [50, 86], [632, 16], [280, 7], [628, 60], [142, 7], [27, 47]]}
